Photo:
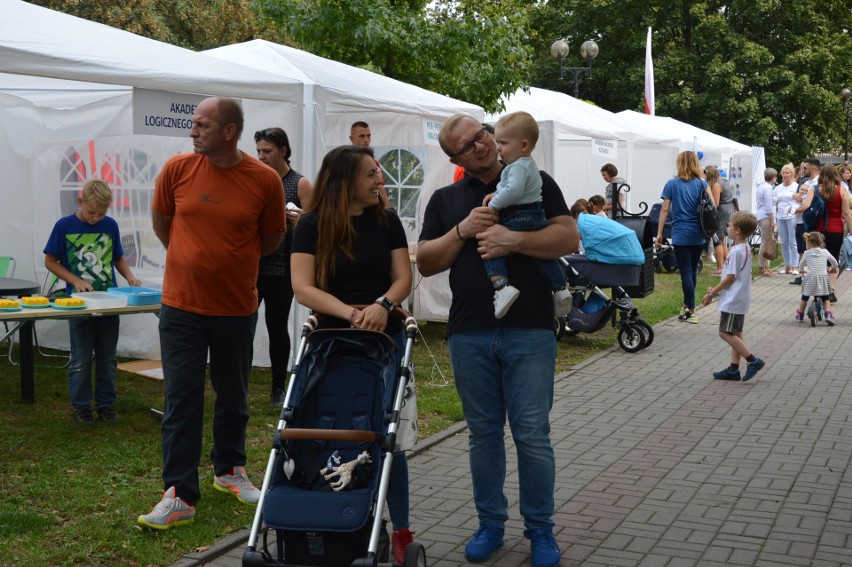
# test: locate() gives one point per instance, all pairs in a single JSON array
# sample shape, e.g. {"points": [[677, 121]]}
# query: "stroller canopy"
{"points": [[609, 241]]}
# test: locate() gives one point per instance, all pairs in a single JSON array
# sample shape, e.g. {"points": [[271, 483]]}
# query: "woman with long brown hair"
{"points": [[836, 209], [349, 251], [723, 198]]}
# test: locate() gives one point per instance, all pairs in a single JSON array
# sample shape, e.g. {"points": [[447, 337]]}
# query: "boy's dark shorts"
{"points": [[731, 323]]}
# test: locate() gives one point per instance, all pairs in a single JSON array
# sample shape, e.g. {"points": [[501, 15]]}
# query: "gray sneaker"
{"points": [[169, 512], [238, 484], [83, 416]]}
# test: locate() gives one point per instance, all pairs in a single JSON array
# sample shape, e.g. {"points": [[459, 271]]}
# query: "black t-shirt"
{"points": [[368, 277], [472, 304]]}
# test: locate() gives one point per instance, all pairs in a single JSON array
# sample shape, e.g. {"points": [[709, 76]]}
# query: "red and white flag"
{"points": [[649, 77]]}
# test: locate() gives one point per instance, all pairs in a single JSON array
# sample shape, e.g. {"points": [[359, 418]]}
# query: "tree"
{"points": [[473, 50], [193, 24], [761, 72]]}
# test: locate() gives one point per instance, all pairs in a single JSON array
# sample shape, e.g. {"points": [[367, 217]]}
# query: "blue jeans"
{"points": [[687, 257], [499, 373], [185, 340], [527, 220], [97, 335], [787, 236]]}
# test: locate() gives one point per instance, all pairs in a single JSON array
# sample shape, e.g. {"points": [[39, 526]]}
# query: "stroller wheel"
{"points": [[415, 555], [631, 338], [700, 266], [648, 329], [559, 327]]}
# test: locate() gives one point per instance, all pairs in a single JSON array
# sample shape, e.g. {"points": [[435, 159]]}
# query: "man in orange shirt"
{"points": [[216, 210]]}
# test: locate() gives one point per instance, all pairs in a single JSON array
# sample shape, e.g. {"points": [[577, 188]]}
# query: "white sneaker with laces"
{"points": [[503, 300], [238, 484], [562, 302]]}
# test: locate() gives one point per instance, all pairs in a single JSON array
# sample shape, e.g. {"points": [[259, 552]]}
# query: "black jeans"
{"points": [[185, 341], [277, 294]]}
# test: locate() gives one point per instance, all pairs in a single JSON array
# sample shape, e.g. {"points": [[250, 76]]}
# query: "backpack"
{"points": [[707, 217], [815, 212]]}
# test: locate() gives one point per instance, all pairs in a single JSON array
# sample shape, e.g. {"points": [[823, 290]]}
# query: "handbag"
{"points": [[406, 433], [770, 248], [707, 214]]}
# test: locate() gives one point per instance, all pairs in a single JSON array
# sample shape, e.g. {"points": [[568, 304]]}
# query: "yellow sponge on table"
{"points": [[35, 300], [9, 304], [69, 302]]}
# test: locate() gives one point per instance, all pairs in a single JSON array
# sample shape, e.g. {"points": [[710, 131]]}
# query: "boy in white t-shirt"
{"points": [[734, 293]]}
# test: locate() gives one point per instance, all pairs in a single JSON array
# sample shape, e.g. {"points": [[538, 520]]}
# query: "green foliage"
{"points": [[470, 50], [194, 24], [762, 72]]}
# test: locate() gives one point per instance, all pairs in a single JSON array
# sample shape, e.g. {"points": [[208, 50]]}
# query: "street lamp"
{"points": [[846, 95], [588, 51]]}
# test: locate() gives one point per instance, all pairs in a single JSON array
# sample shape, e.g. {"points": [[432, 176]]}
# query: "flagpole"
{"points": [[649, 77]]}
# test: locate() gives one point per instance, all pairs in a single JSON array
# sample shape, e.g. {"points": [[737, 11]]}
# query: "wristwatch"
{"points": [[385, 302]]}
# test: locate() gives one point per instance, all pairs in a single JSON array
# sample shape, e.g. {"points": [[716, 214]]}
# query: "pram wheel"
{"points": [[560, 325], [415, 555], [632, 338], [649, 330]]}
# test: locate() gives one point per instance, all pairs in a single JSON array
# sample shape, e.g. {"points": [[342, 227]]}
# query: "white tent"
{"points": [[742, 163], [70, 97]]}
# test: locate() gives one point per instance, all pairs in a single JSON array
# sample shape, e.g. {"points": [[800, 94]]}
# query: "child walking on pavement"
{"points": [[518, 201], [816, 282], [734, 293]]}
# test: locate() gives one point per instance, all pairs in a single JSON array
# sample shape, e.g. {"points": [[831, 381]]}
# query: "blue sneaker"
{"points": [[727, 374], [487, 539], [545, 550], [753, 368]]}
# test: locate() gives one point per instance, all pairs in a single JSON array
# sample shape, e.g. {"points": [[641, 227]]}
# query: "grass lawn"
{"points": [[71, 494]]}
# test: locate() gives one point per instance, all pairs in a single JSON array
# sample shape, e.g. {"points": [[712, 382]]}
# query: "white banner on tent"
{"points": [[605, 148], [431, 129], [161, 113]]}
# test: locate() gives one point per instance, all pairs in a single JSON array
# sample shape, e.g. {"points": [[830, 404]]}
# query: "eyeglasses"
{"points": [[468, 148]]}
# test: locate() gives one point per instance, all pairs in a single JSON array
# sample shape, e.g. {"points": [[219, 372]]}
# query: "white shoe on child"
{"points": [[562, 302], [503, 300]]}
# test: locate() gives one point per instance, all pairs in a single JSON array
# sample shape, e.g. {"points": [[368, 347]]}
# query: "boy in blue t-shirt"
{"points": [[83, 250]]}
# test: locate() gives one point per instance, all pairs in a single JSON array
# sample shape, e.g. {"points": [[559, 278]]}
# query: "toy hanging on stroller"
{"points": [[328, 472], [614, 259]]}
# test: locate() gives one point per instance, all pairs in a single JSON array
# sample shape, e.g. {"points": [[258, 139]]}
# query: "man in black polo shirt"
{"points": [[502, 367]]}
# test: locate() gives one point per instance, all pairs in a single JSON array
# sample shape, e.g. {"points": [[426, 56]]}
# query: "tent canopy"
{"points": [[340, 85], [42, 42]]}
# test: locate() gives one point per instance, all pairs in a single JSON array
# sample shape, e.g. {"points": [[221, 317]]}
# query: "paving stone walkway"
{"points": [[660, 465]]}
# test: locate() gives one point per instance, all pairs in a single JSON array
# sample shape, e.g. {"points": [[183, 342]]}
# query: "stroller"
{"points": [[664, 258], [592, 309], [328, 472], [614, 259]]}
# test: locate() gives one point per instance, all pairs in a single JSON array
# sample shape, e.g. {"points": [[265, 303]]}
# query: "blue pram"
{"points": [[340, 418], [613, 258]]}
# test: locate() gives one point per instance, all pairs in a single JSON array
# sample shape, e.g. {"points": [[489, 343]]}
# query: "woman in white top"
{"points": [[785, 216], [845, 174], [765, 214]]}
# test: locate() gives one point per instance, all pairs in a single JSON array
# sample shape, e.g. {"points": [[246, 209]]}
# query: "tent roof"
{"points": [[41, 42], [341, 84], [569, 115], [687, 133]]}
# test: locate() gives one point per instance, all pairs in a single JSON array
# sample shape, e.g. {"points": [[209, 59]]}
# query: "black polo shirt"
{"points": [[473, 294]]}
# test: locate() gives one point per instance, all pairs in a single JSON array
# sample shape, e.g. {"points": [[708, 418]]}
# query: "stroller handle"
{"points": [[409, 322], [329, 435]]}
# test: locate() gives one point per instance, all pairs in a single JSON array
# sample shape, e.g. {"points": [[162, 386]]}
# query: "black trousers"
{"points": [[186, 339]]}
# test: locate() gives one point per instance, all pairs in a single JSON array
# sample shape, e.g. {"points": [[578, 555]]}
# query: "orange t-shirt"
{"points": [[218, 216]]}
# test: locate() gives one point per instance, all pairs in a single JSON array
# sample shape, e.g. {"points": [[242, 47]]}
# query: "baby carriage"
{"points": [[664, 258], [328, 472], [614, 259]]}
